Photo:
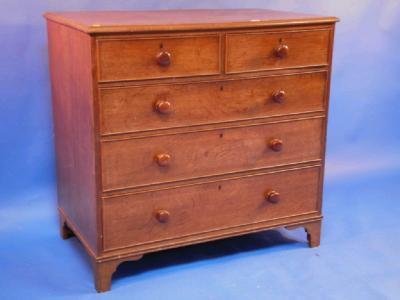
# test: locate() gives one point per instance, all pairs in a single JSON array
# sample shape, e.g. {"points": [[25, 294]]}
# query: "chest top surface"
{"points": [[169, 20]]}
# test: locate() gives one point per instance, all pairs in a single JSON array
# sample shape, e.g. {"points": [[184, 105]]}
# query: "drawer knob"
{"points": [[272, 196], [276, 144], [279, 96], [163, 159], [164, 58], [162, 215], [163, 106], [282, 51]]}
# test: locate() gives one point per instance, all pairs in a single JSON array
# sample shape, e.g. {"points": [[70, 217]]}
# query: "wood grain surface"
{"points": [[257, 51], [134, 109], [132, 220], [185, 19], [74, 126], [138, 58], [131, 162]]}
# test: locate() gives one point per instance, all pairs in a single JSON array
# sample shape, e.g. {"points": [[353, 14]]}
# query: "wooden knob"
{"points": [[276, 145], [162, 215], [282, 51], [163, 159], [279, 96], [164, 58], [163, 106], [272, 196]]}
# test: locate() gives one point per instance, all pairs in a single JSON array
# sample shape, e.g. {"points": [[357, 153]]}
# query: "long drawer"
{"points": [[152, 107], [166, 214], [157, 159], [158, 57]]}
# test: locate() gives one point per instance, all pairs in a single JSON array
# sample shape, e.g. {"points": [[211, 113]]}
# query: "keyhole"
{"points": [[221, 88], [221, 135], [161, 45], [219, 187]]}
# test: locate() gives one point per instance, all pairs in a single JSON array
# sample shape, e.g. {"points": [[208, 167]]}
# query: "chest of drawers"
{"points": [[180, 127]]}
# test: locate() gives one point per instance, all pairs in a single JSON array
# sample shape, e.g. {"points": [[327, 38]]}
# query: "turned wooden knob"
{"points": [[163, 159], [162, 215], [163, 106], [282, 51], [272, 196], [163, 58], [279, 96], [276, 144]]}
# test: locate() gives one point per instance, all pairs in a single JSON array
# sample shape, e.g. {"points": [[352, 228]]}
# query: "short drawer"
{"points": [[142, 218], [143, 161], [145, 58], [259, 51], [161, 106]]}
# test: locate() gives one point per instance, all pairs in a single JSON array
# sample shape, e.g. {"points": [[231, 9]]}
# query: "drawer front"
{"points": [[143, 161], [173, 213], [144, 58], [266, 51], [164, 106]]}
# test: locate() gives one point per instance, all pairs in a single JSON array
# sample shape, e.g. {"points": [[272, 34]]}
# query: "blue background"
{"points": [[358, 258]]}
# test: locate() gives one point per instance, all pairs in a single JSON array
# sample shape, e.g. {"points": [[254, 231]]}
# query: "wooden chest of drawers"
{"points": [[179, 127]]}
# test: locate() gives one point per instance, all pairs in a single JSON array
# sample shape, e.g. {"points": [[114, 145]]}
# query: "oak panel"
{"points": [[257, 51], [134, 108], [136, 58], [132, 220], [97, 22], [74, 128], [133, 162]]}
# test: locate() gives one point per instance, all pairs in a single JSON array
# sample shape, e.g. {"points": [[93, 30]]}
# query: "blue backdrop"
{"points": [[361, 237]]}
